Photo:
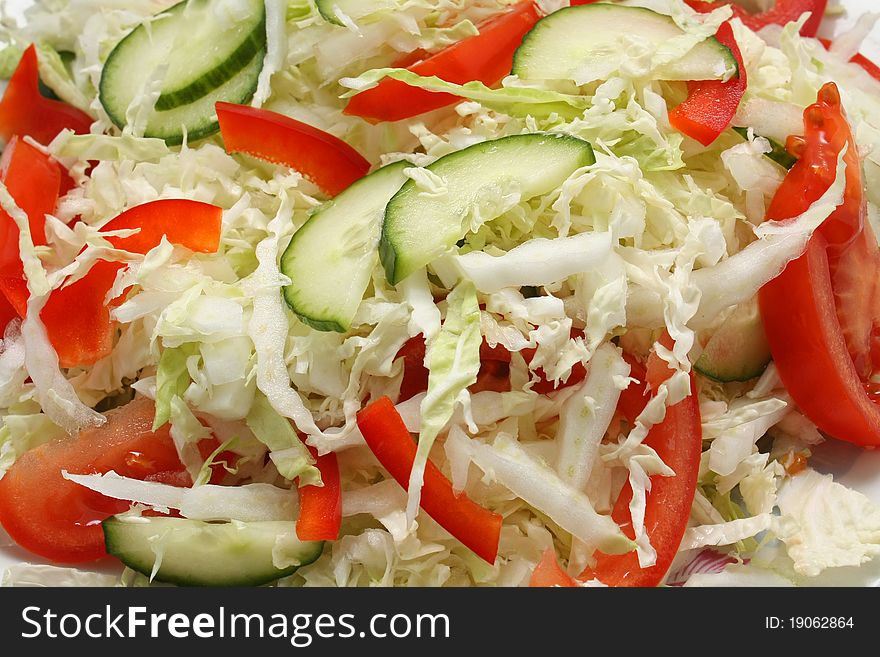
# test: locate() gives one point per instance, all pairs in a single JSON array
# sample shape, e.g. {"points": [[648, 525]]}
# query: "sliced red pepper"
{"points": [[487, 57], [634, 398], [678, 440], [76, 317], [326, 160], [711, 104], [7, 313], [320, 507], [384, 431], [822, 314], [25, 111], [33, 179], [783, 12], [549, 573]]}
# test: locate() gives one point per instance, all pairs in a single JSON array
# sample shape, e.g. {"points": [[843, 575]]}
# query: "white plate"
{"points": [[850, 465]]}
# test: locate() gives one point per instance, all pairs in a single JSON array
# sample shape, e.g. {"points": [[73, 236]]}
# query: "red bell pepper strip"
{"points": [[822, 314], [7, 313], [326, 160], [678, 440], [320, 507], [711, 104], [783, 12], [33, 179], [549, 573], [384, 431], [487, 57], [25, 111], [76, 318]]}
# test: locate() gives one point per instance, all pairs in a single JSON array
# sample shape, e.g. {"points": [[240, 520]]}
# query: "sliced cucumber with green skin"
{"points": [[572, 39], [778, 153], [196, 553], [199, 119], [354, 9], [738, 350], [331, 258], [419, 226], [203, 44]]}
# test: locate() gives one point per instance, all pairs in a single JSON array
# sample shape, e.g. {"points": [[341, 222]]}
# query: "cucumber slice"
{"points": [[354, 9], [199, 119], [419, 227], [196, 553], [331, 258], [568, 40], [738, 351], [779, 155], [213, 52], [204, 44]]}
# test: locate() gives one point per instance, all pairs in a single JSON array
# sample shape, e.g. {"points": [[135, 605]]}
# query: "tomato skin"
{"points": [[822, 314], [782, 12], [60, 520], [24, 110], [711, 104], [326, 160], [487, 57], [34, 181]]}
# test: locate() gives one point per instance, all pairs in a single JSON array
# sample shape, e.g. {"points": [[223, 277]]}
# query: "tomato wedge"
{"points": [[384, 431], [326, 160], [25, 111], [487, 57], [60, 520], [822, 314], [678, 440], [320, 507], [782, 12], [76, 317], [712, 104], [34, 181]]}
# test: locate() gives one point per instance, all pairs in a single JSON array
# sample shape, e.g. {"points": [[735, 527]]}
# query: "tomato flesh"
{"points": [[60, 520], [822, 314]]}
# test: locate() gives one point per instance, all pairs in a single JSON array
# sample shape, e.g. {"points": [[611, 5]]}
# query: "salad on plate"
{"points": [[436, 293]]}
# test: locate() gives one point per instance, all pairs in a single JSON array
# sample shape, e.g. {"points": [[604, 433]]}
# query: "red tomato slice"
{"points": [[60, 520], [822, 314], [34, 181], [24, 110], [326, 160], [711, 104], [782, 12], [487, 57]]}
